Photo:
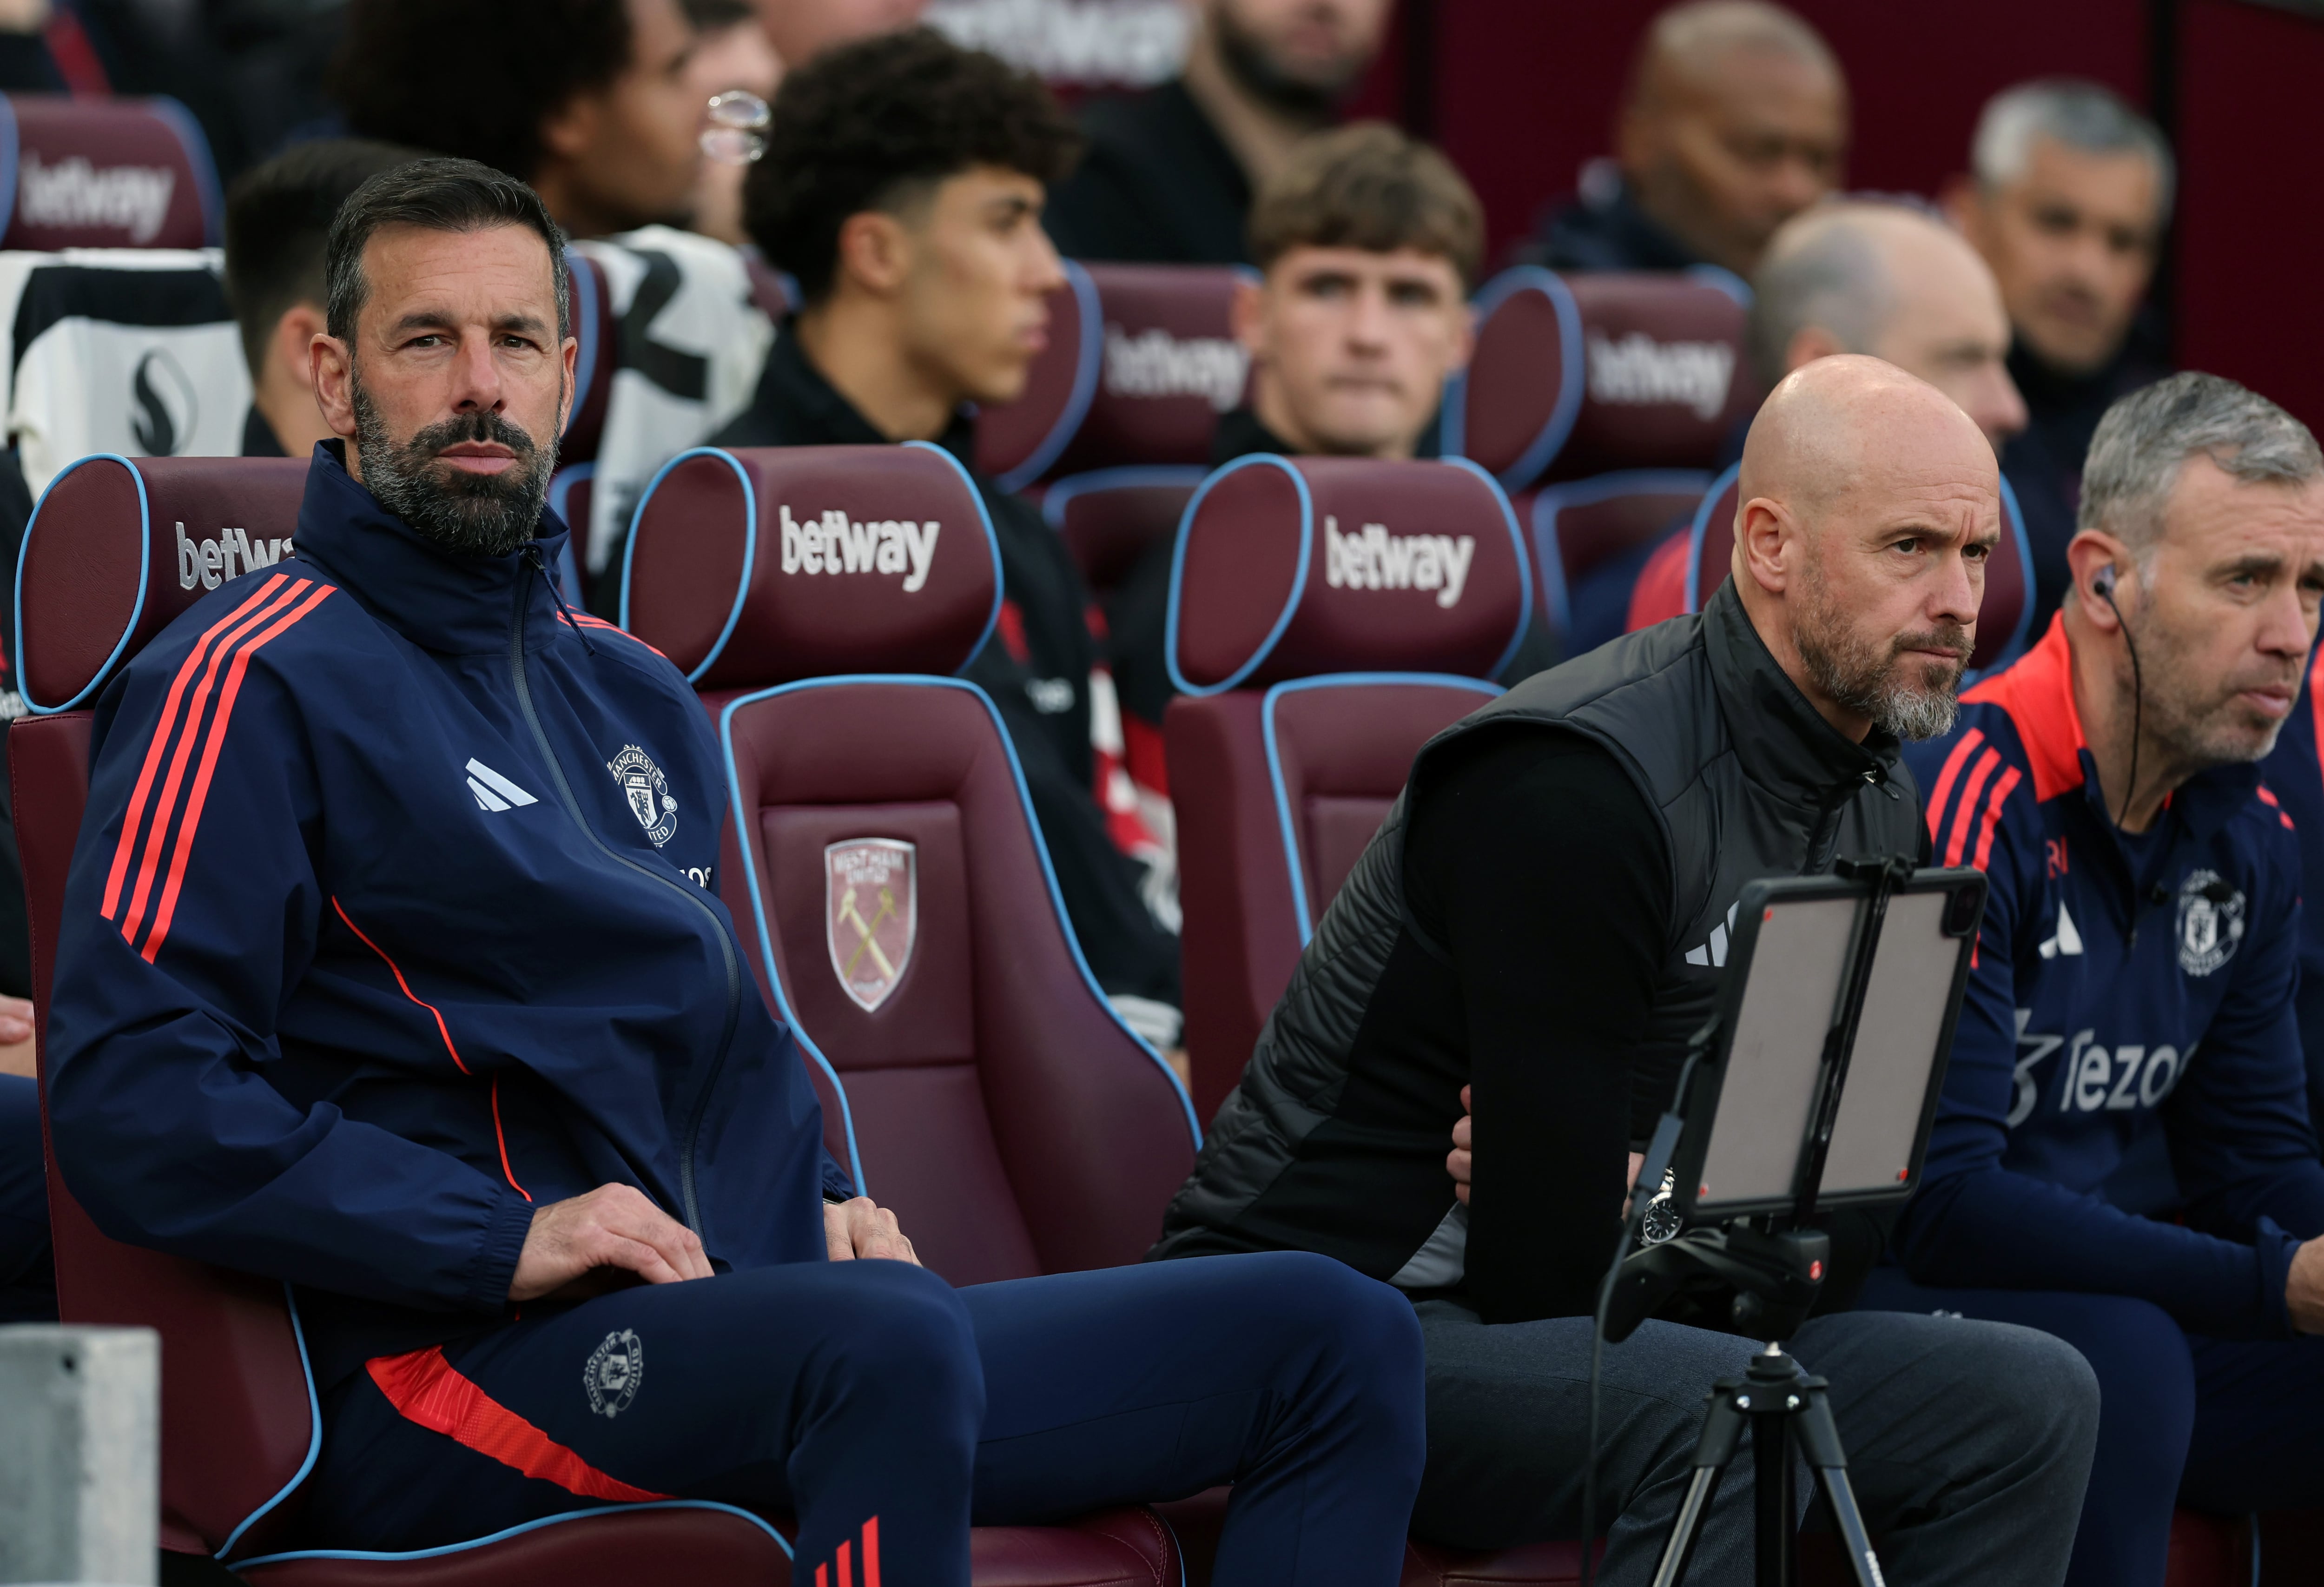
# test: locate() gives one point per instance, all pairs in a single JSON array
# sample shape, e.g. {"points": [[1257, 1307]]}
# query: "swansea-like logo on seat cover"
{"points": [[646, 791], [871, 911]]}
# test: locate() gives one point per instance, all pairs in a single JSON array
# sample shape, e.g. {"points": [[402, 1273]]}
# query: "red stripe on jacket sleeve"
{"points": [[2003, 786], [185, 735], [164, 731], [1949, 776], [427, 1389], [213, 741], [1965, 813]]}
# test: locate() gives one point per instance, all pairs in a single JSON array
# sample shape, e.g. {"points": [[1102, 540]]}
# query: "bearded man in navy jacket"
{"points": [[2124, 1155], [373, 980]]}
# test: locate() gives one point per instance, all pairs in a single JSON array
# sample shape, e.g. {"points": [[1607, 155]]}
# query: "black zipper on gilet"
{"points": [[573, 808]]}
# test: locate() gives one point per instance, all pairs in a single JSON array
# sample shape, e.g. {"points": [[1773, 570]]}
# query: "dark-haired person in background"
{"points": [[1170, 171], [532, 1282], [1735, 119], [1366, 242], [901, 186], [277, 216], [587, 100], [2069, 197]]}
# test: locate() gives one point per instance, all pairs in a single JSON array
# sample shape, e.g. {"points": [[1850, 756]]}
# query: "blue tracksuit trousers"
{"points": [[2221, 1425], [890, 1411]]}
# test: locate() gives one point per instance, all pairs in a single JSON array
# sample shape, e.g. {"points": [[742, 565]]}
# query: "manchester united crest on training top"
{"points": [[2210, 922], [646, 791], [615, 1368], [870, 909]]}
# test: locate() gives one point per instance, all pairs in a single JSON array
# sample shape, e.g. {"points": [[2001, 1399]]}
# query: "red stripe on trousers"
{"points": [[427, 1389], [215, 741], [166, 732]]}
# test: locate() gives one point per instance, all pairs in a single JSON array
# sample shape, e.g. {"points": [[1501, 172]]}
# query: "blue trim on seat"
{"points": [[314, 1433], [581, 271], [1284, 825], [744, 830], [2016, 528], [750, 545], [1090, 358], [991, 544], [783, 1009], [1178, 572], [560, 487], [8, 156], [1585, 493], [579, 1515], [197, 144], [1543, 449], [1128, 476], [1524, 557], [136, 612], [1725, 280], [1695, 533]]}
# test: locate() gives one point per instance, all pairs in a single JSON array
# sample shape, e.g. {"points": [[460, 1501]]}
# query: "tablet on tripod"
{"points": [[1841, 999]]}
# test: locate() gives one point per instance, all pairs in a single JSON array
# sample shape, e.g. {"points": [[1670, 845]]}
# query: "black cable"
{"points": [[1590, 1461], [2137, 697]]}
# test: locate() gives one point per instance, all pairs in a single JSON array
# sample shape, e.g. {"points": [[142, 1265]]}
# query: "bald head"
{"points": [[1736, 118], [1854, 276], [1853, 425], [1687, 47], [1867, 505]]}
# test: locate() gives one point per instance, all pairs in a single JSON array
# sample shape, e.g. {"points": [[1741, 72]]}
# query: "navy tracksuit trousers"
{"points": [[28, 1282], [2229, 1425], [889, 1411]]}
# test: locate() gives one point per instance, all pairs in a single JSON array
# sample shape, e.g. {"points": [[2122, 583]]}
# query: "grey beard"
{"points": [[1867, 683], [478, 515]]}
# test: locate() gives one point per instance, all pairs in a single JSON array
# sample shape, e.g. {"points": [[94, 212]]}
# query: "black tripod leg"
{"points": [[1776, 1501], [1820, 1437], [1722, 1428]]}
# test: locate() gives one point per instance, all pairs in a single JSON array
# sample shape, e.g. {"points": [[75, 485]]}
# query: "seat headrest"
{"points": [[765, 565], [118, 547], [1142, 359], [1582, 374], [105, 173], [1290, 566]]}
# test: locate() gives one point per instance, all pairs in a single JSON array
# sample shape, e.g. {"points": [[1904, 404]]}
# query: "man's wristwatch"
{"points": [[1662, 1221]]}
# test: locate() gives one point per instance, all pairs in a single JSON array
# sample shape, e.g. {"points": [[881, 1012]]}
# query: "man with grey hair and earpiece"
{"points": [[2069, 193], [2124, 1156]]}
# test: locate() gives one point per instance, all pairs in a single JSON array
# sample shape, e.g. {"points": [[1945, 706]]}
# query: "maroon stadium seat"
{"points": [[1307, 679], [2002, 622], [106, 566], [1583, 524], [1585, 374], [1611, 394], [974, 1076], [1120, 411], [105, 173]]}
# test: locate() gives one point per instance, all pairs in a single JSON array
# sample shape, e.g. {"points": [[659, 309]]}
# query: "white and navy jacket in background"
{"points": [[2125, 1110], [393, 919]]}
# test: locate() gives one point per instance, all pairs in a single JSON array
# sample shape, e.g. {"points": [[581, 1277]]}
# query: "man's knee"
{"points": [[894, 1334], [2028, 1392], [1360, 1330]]}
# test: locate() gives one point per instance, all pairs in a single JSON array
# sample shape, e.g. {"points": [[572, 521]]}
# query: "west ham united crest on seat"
{"points": [[871, 908]]}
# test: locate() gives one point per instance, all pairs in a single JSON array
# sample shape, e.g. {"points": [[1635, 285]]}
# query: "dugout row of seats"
{"points": [[1327, 617]]}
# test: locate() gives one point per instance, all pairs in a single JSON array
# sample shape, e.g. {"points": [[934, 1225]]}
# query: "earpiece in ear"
{"points": [[2102, 583]]}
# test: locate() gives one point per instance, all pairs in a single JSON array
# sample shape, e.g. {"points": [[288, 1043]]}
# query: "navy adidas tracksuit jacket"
{"points": [[358, 1049], [2126, 1111]]}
